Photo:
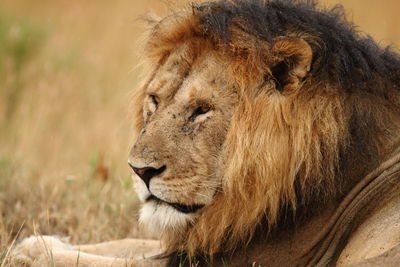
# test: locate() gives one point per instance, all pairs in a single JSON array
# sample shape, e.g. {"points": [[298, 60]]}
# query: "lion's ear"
{"points": [[291, 62]]}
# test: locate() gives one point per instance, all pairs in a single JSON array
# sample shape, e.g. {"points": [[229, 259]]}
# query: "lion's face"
{"points": [[186, 114]]}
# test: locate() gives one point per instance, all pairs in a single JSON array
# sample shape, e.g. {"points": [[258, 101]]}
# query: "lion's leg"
{"points": [[125, 248], [52, 251], [77, 258]]}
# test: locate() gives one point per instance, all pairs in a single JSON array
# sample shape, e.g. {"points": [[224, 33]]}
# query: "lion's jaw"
{"points": [[158, 216], [186, 115]]}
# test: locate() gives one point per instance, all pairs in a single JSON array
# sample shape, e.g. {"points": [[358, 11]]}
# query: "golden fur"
{"points": [[282, 149], [303, 139]]}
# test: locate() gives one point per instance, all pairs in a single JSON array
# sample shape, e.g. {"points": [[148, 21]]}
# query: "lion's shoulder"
{"points": [[379, 233]]}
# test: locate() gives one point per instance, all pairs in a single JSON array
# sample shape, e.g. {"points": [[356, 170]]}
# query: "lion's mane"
{"points": [[284, 153]]}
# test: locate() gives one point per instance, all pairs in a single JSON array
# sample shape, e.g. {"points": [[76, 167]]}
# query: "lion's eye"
{"points": [[200, 110], [154, 100], [151, 105]]}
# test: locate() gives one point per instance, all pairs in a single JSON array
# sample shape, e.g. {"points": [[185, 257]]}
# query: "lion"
{"points": [[267, 134]]}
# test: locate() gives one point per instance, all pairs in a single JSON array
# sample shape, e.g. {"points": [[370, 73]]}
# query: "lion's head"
{"points": [[246, 115]]}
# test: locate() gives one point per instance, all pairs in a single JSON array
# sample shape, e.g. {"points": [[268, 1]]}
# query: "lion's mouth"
{"points": [[179, 207]]}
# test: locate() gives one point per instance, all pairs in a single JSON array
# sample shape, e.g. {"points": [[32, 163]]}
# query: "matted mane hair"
{"points": [[283, 153]]}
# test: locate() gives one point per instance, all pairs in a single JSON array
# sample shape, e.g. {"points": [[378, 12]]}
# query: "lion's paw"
{"points": [[32, 248]]}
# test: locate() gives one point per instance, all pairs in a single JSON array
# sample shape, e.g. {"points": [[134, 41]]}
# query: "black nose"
{"points": [[147, 173]]}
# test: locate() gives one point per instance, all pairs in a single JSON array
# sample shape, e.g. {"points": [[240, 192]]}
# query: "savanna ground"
{"points": [[66, 72]]}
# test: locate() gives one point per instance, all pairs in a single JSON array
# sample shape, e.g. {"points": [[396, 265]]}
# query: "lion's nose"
{"points": [[147, 173]]}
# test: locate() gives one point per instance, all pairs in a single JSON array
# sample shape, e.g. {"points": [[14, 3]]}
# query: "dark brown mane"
{"points": [[341, 53]]}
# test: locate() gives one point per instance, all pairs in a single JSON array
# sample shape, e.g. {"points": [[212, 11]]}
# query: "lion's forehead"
{"points": [[184, 79]]}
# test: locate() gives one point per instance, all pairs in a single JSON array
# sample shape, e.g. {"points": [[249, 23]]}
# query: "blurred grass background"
{"points": [[66, 72]]}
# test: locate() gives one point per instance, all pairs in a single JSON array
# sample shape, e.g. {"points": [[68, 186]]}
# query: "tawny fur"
{"points": [[277, 143], [304, 137]]}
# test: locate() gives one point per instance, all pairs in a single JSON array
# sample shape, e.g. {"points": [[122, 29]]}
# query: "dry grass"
{"points": [[66, 70]]}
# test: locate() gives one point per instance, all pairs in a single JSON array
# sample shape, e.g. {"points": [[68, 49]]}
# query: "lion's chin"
{"points": [[159, 217]]}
